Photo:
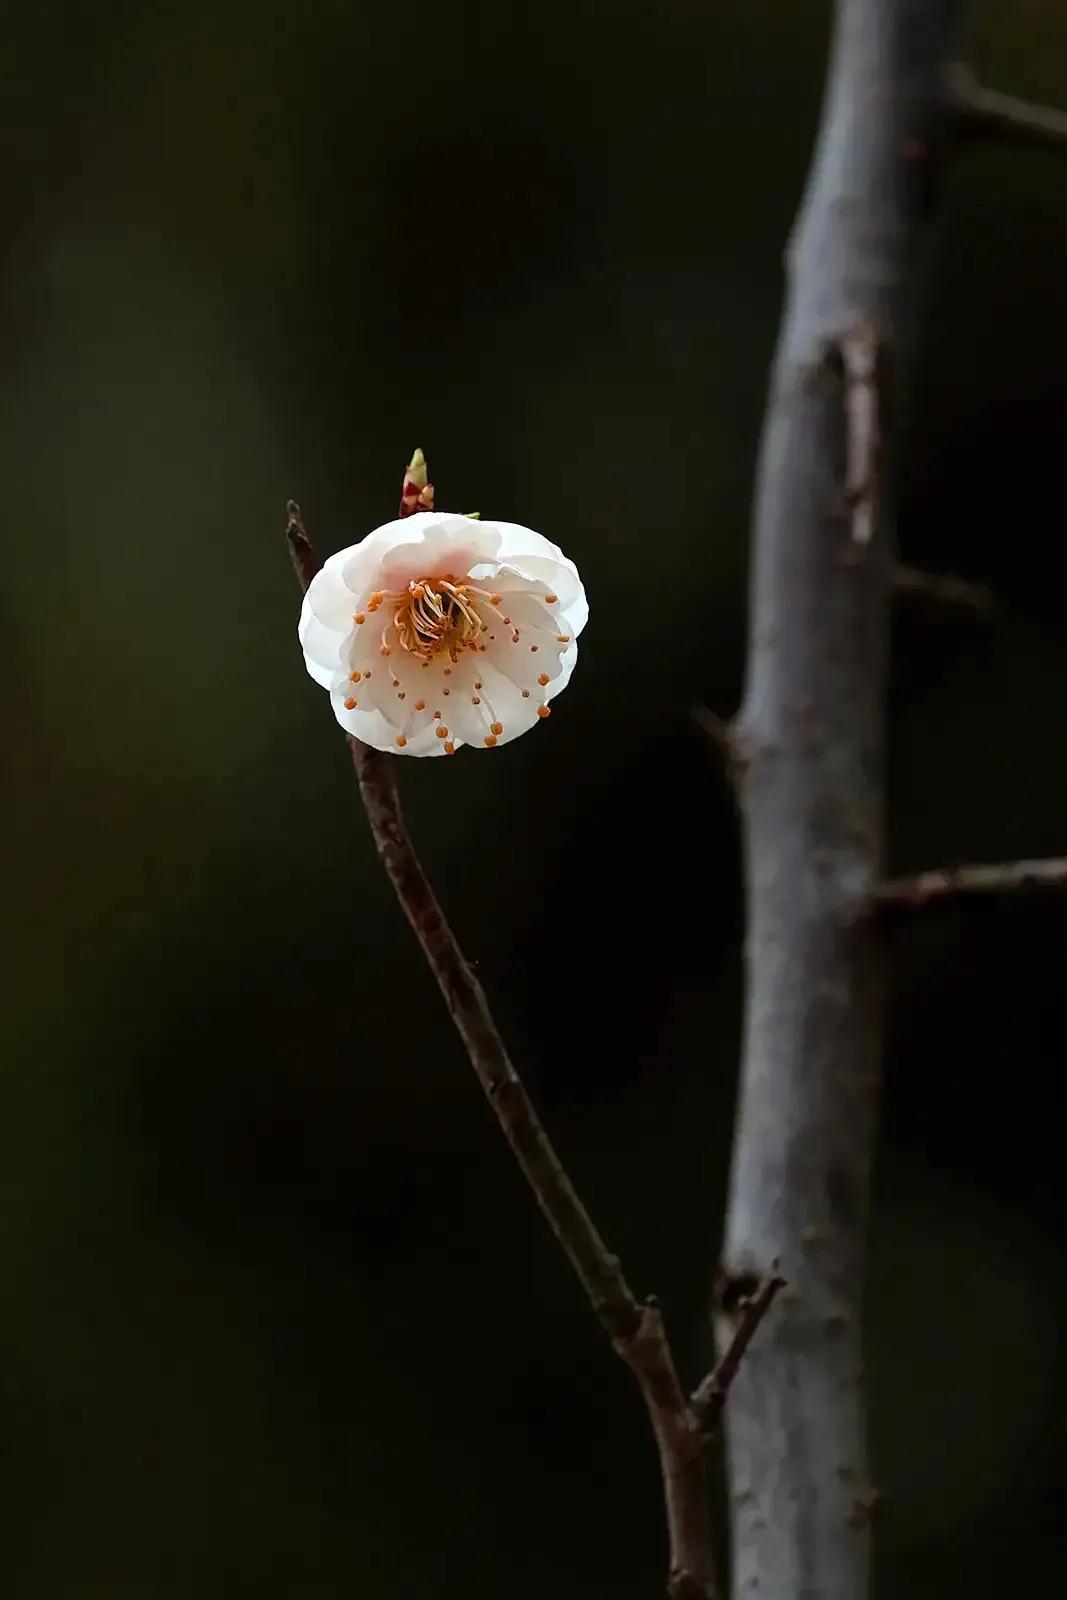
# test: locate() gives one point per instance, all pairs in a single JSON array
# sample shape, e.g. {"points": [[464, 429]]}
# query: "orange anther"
{"points": [[420, 705], [350, 704], [563, 638], [360, 616], [550, 599], [450, 748], [494, 599], [496, 727], [489, 741], [544, 711], [401, 741], [543, 679], [442, 731], [354, 677]]}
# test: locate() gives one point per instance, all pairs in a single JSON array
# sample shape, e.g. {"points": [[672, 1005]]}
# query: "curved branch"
{"points": [[635, 1329]]}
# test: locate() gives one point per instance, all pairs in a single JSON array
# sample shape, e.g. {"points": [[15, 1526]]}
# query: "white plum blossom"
{"points": [[437, 631]]}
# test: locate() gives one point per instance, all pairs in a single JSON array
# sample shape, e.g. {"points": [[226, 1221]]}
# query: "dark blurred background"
{"points": [[278, 1318]]}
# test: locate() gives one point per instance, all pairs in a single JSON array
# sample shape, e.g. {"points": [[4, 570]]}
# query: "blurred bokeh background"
{"points": [[278, 1318]]}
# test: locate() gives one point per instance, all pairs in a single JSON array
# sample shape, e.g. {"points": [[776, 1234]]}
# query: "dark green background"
{"points": [[278, 1319]]}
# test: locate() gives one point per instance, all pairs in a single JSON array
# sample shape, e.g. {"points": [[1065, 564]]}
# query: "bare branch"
{"points": [[812, 800], [635, 1329], [958, 883], [986, 113], [301, 554], [709, 1396], [944, 592]]}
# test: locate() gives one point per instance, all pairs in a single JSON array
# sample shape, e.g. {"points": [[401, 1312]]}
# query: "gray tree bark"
{"points": [[809, 743]]}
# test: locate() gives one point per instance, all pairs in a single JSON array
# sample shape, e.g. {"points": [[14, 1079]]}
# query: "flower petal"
{"points": [[370, 727], [321, 646]]}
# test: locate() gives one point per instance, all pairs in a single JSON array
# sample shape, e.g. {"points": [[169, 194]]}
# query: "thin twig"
{"points": [[956, 883], [709, 1396], [987, 113], [635, 1329], [944, 592]]}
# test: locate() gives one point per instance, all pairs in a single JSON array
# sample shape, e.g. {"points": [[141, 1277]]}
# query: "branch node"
{"points": [[724, 739], [860, 348]]}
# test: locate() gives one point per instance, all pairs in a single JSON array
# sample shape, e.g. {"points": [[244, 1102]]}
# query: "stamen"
{"points": [[360, 617], [354, 677], [450, 748], [496, 727], [441, 731], [526, 694], [489, 741], [543, 679], [544, 711], [401, 741], [420, 705], [563, 638], [351, 704], [550, 599]]}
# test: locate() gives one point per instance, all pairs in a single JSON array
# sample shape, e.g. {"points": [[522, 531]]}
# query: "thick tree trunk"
{"points": [[810, 746]]}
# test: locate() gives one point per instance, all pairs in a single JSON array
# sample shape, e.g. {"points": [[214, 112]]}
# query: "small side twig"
{"points": [[709, 1396], [987, 113], [943, 592], [956, 883], [635, 1328], [723, 738]]}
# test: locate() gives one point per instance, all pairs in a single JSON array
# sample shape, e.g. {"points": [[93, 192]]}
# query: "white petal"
{"points": [[566, 667], [561, 579], [322, 647], [328, 597], [517, 541], [518, 715], [408, 547], [369, 726], [549, 576]]}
